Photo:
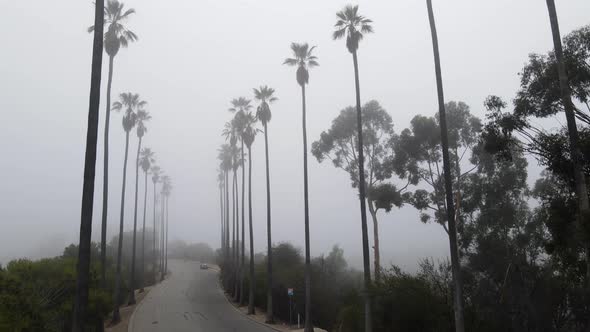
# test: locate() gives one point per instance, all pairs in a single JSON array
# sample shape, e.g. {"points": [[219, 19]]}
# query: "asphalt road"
{"points": [[190, 300]]}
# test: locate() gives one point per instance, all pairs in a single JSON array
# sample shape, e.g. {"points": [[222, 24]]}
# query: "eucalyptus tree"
{"points": [[339, 145], [304, 59], [354, 27], [83, 265], [116, 36], [240, 107], [142, 117], [266, 96], [248, 136], [146, 160], [131, 103], [450, 208], [156, 171]]}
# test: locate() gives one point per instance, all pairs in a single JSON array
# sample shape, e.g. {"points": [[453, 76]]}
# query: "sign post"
{"points": [[290, 293]]}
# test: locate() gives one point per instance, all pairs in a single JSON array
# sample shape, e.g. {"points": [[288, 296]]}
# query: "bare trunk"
{"points": [[233, 229], [237, 250], [243, 244], [142, 277], [117, 297], [166, 246], [227, 244], [456, 264], [577, 157], [308, 318], [269, 308], [362, 197], [132, 285], [154, 237], [251, 309], [83, 266], [105, 183], [377, 266]]}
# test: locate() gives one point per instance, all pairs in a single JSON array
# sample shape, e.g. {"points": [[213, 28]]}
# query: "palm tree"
{"points": [[240, 106], [354, 26], [131, 103], [577, 159], [456, 267], [145, 160], [142, 117], [248, 137], [304, 59], [221, 204], [266, 96], [117, 36], [83, 266], [155, 170], [225, 158]]}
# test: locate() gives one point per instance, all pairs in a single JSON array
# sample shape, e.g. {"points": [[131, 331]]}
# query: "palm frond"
{"points": [[290, 62]]}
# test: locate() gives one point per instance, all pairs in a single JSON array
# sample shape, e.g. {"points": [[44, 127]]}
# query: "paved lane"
{"points": [[190, 300]]}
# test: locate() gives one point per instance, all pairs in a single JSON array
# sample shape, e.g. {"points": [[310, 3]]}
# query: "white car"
{"points": [[204, 266]]}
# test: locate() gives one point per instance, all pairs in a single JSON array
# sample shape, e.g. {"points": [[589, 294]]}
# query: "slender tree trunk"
{"points": [[162, 236], [221, 212], [105, 182], [167, 224], [83, 266], [376, 248], [227, 243], [142, 277], [269, 308], [243, 244], [237, 250], [362, 197], [456, 264], [577, 157], [132, 284], [233, 229], [117, 299], [251, 310], [155, 258], [308, 318]]}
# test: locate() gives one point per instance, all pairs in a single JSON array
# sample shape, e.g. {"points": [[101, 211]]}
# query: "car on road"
{"points": [[204, 266]]}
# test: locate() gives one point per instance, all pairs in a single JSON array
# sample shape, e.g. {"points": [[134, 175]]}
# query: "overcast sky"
{"points": [[191, 59]]}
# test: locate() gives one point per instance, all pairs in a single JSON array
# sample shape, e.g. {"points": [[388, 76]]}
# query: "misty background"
{"points": [[191, 59]]}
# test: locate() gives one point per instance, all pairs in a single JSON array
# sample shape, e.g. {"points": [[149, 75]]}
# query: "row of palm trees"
{"points": [[354, 27], [117, 35]]}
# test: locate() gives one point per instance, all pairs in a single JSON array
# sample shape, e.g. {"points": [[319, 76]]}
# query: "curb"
{"points": [[241, 313], [132, 318]]}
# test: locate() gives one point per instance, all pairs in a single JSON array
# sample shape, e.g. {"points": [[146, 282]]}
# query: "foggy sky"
{"points": [[191, 59]]}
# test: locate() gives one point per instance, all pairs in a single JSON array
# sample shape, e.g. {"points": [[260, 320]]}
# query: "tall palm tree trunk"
{"points": [[162, 235], [243, 244], [167, 224], [221, 213], [362, 195], [233, 229], [577, 158], [456, 264], [269, 313], [117, 299], [142, 277], [83, 266], [105, 181], [251, 310], [237, 250], [227, 243], [132, 278], [308, 318], [155, 258]]}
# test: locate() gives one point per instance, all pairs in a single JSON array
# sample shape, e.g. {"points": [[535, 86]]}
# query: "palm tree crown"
{"points": [[353, 25], [131, 103], [266, 96], [142, 117], [156, 171], [116, 34], [250, 130], [304, 59], [146, 159], [240, 104]]}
